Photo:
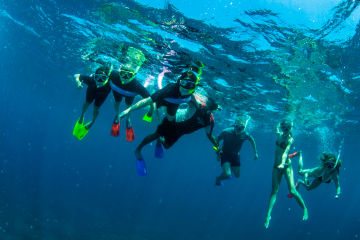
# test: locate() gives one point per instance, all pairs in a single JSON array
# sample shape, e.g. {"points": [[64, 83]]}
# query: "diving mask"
{"points": [[100, 79]]}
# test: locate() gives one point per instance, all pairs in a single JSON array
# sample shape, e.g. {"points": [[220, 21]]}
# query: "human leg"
{"points": [[148, 139], [289, 176], [276, 179], [226, 172]]}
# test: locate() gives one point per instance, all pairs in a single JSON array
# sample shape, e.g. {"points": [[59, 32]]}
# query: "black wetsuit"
{"points": [[120, 90], [169, 91], [172, 131], [232, 144], [94, 93]]}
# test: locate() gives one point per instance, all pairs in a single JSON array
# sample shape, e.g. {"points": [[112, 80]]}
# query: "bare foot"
{"points": [[306, 215], [267, 221]]}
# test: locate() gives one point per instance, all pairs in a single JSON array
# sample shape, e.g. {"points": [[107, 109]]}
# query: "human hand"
{"points": [[281, 166], [256, 156], [77, 81], [337, 196]]}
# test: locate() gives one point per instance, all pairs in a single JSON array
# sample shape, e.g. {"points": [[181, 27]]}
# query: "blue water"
{"points": [[53, 186]]}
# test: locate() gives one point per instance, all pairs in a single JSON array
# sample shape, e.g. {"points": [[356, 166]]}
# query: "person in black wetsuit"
{"points": [[97, 91], [233, 139], [329, 169], [171, 96], [189, 120], [124, 84]]}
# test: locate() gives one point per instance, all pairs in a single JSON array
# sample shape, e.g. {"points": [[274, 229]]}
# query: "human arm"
{"points": [[313, 172], [253, 144], [140, 104], [77, 81], [284, 156], [335, 178], [211, 137], [278, 132]]}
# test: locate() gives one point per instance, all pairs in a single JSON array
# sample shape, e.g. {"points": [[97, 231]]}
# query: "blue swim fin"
{"points": [[159, 151], [141, 167]]}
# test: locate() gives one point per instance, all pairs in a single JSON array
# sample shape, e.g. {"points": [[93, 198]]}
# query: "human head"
{"points": [[286, 126], [187, 82], [101, 76], [329, 160], [127, 73], [239, 125]]}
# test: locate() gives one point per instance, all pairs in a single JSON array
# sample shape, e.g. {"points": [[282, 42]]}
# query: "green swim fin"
{"points": [[80, 130], [77, 127], [147, 118]]}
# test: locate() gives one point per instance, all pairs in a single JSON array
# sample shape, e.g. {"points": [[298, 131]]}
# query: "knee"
{"points": [[227, 173], [293, 191]]}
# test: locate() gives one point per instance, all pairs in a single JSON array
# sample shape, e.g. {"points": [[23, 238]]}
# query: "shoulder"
{"points": [[228, 131], [169, 90]]}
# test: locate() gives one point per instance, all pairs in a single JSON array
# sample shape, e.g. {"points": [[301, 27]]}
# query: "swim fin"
{"points": [[130, 135], [80, 130], [147, 118], [115, 129], [77, 127], [159, 151], [141, 167]]}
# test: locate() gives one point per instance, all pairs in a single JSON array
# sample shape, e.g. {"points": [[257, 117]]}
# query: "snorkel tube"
{"points": [[339, 154]]}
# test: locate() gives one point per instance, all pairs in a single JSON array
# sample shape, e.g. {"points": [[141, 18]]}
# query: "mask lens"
{"points": [[239, 127], [126, 74], [187, 84], [100, 78], [330, 164]]}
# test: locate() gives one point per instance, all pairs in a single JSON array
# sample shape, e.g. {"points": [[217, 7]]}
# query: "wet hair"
{"points": [[330, 158], [239, 121], [286, 125]]}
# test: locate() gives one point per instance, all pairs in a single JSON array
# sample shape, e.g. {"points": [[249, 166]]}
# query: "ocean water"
{"points": [[266, 59]]}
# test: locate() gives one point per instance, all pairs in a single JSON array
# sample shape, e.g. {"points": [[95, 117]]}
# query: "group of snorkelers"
{"points": [[198, 114]]}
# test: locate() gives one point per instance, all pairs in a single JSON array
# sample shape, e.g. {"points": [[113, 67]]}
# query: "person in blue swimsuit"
{"points": [[233, 139]]}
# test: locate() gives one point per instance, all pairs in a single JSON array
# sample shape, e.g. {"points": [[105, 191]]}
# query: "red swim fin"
{"points": [[130, 135], [293, 154], [115, 129]]}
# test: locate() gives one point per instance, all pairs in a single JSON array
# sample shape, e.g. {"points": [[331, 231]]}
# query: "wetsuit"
{"points": [[129, 90], [169, 97], [94, 93], [231, 146], [172, 131]]}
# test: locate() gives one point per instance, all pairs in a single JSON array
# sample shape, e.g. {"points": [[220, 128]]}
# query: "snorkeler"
{"points": [[282, 166], [233, 139], [124, 84], [98, 89], [171, 96], [328, 170], [197, 115]]}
